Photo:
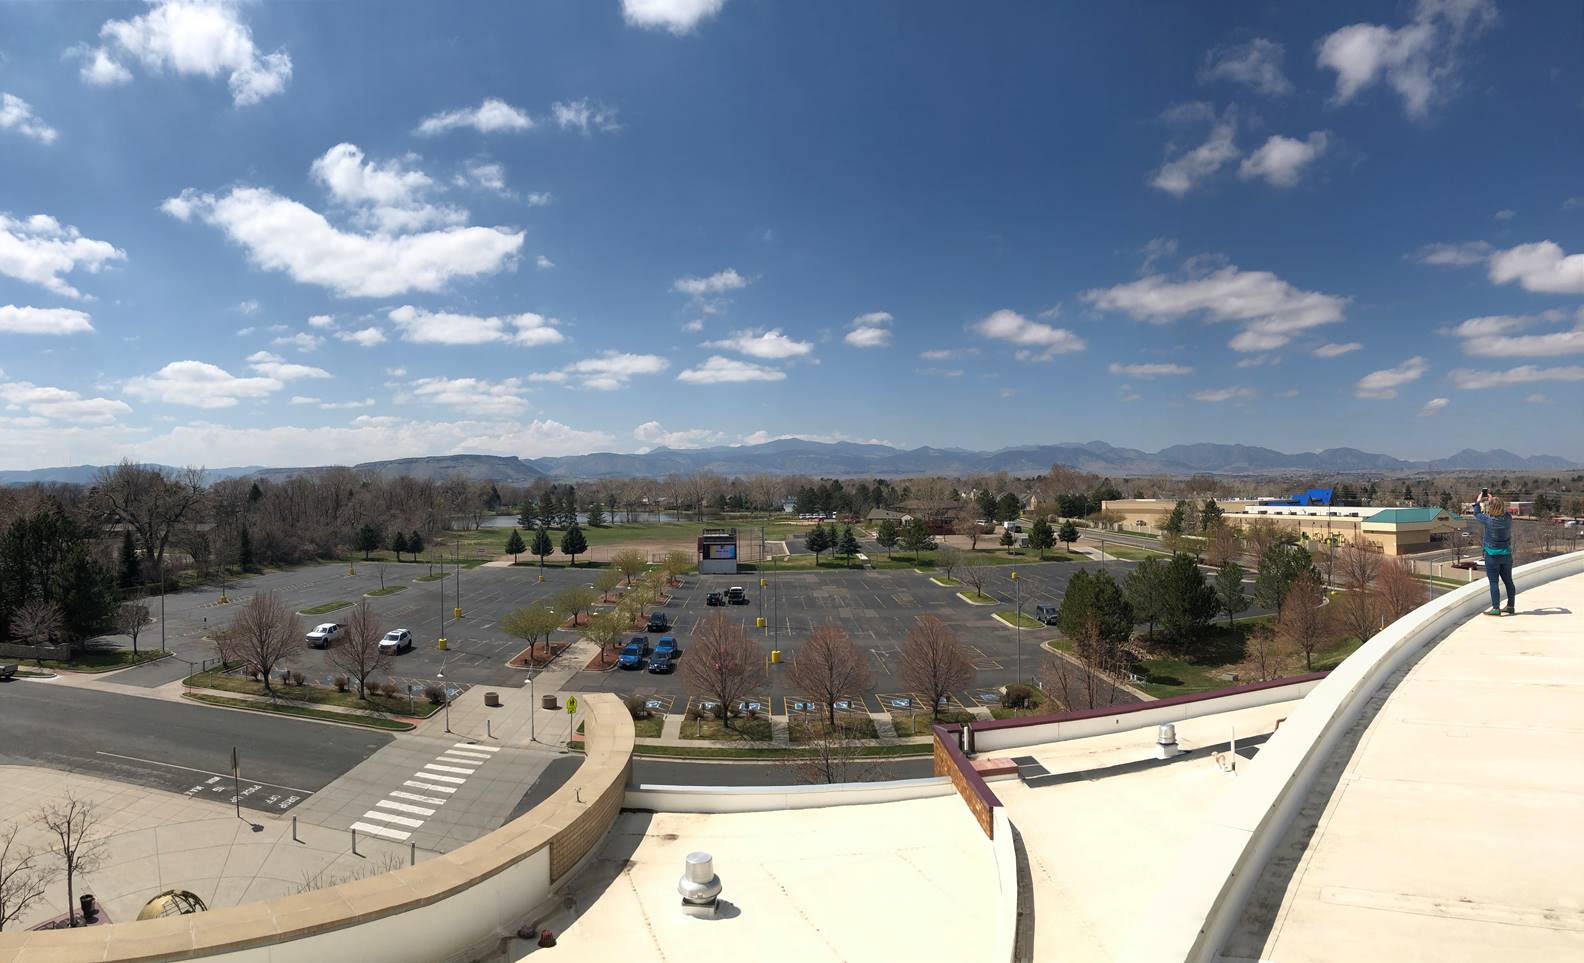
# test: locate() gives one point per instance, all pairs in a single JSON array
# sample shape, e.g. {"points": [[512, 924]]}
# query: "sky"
{"points": [[332, 232]]}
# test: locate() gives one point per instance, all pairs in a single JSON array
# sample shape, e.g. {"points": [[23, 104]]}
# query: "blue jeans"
{"points": [[1500, 567]]}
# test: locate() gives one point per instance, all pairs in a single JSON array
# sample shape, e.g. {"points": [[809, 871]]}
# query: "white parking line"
{"points": [[406, 808], [435, 800], [457, 769], [434, 775], [385, 831], [387, 817]]}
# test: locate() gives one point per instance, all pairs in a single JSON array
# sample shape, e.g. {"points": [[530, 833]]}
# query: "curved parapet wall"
{"points": [[1203, 899], [457, 906]]}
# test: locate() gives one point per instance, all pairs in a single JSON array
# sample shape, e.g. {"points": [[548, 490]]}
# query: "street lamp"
{"points": [[1017, 585], [445, 690]]}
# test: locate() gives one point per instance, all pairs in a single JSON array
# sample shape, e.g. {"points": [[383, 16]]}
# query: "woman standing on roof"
{"points": [[1498, 549]]}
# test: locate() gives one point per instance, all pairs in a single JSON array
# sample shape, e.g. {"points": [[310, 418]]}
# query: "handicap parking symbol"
{"points": [[653, 704], [900, 703]]}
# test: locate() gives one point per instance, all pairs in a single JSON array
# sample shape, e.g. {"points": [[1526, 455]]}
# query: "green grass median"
{"points": [[301, 712]]}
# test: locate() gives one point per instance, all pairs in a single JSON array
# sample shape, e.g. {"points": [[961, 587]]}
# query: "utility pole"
{"points": [[162, 604]]}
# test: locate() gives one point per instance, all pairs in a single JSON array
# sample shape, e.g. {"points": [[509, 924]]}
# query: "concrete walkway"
{"points": [[1447, 824]]}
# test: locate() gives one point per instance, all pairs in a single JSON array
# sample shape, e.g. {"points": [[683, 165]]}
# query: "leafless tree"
{"points": [[359, 654], [153, 501], [934, 662], [78, 841], [23, 877], [968, 526], [1223, 545], [829, 753], [1303, 622], [265, 634], [1357, 565], [948, 559], [974, 570], [1400, 591], [130, 619], [1268, 653], [722, 663], [828, 666], [1094, 681], [36, 622]]}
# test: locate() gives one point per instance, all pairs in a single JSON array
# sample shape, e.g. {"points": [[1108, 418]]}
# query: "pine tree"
{"points": [[1144, 591], [596, 515], [886, 535], [399, 544], [514, 545], [1229, 590], [573, 543], [542, 545], [368, 539], [849, 544], [817, 541], [129, 562], [1042, 536], [1068, 534], [527, 516], [1210, 515], [569, 507], [1187, 603], [1007, 541], [916, 538], [1008, 507], [547, 511], [415, 543], [245, 551]]}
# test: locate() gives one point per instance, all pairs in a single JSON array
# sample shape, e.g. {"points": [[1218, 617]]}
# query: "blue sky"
{"points": [[333, 232]]}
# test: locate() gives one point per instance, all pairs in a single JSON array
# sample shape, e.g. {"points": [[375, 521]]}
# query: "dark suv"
{"points": [[714, 598], [659, 622]]}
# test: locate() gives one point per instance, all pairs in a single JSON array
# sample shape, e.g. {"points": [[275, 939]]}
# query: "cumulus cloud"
{"points": [[1336, 350], [39, 250], [475, 394], [1148, 370], [190, 38], [1270, 309], [280, 234], [321, 321], [16, 319], [363, 337], [59, 404], [444, 327], [1179, 175], [1521, 375], [274, 366], [17, 114], [388, 197], [585, 116], [1542, 267], [488, 175], [1454, 255], [492, 116], [870, 330], [1434, 405], [1256, 64], [1493, 336], [1281, 161], [718, 283], [608, 371], [694, 326], [1418, 60], [537, 198], [770, 344], [677, 16], [1222, 394], [719, 370], [1385, 382], [651, 433], [302, 341], [1037, 341], [543, 263], [200, 385]]}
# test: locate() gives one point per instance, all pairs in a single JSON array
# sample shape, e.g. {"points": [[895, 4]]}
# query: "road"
{"points": [[176, 746]]}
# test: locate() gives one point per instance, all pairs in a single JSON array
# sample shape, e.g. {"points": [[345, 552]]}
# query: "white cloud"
{"points": [[584, 115], [1270, 309], [191, 38], [1493, 337], [606, 372], [59, 404], [492, 116], [282, 235], [537, 198], [28, 320], [17, 114], [1418, 60], [364, 337], [1434, 405], [442, 327], [1454, 255], [763, 344], [244, 332], [302, 341], [718, 283], [652, 434], [870, 331], [344, 405], [38, 250], [946, 354], [1179, 175], [396, 372], [694, 326], [1008, 325], [486, 174], [499, 398], [677, 16], [1222, 394], [1256, 64], [276, 367], [1521, 375], [249, 307], [321, 321], [304, 400], [199, 385], [1281, 161], [719, 370], [1335, 350], [1148, 370], [1506, 214], [385, 197], [939, 372], [543, 263], [1385, 382], [1573, 203], [1541, 267], [1537, 399]]}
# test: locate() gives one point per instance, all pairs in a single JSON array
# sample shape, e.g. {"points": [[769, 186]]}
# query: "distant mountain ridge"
{"points": [[842, 459]]}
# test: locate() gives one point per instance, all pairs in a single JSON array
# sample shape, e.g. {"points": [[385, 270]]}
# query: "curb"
{"points": [[970, 601], [1125, 687]]}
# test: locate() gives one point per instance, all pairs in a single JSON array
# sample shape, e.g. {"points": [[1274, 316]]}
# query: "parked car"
{"points": [[659, 622], [1046, 612], [324, 634], [667, 646], [715, 598], [736, 595], [1469, 564], [633, 652], [396, 641], [661, 663]]}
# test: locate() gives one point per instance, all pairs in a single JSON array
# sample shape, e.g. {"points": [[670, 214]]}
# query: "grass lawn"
{"points": [[290, 709], [387, 590], [495, 538], [804, 563], [945, 580], [315, 695], [1041, 704], [852, 726], [649, 728], [431, 578], [433, 555], [1012, 616], [101, 660], [1332, 657], [326, 607], [745, 730], [919, 723], [1133, 554], [977, 598], [1221, 648]]}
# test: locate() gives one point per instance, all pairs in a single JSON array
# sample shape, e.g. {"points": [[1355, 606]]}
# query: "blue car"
{"points": [[632, 654], [662, 662], [667, 647]]}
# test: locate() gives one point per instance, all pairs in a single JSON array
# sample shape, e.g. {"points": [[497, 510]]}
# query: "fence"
{"points": [[13, 650]]}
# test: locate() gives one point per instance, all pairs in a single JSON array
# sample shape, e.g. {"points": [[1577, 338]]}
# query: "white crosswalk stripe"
{"points": [[398, 794], [460, 761], [384, 831], [469, 745], [429, 786], [387, 817], [470, 757], [436, 776], [456, 769], [405, 808]]}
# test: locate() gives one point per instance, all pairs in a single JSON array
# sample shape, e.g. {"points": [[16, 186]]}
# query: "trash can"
{"points": [[775, 656], [548, 702], [492, 699]]}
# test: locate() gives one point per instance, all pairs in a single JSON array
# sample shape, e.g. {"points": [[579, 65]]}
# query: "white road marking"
{"points": [[478, 748], [224, 775], [429, 786], [456, 769], [436, 800], [434, 775], [458, 760], [387, 817], [406, 808], [385, 831]]}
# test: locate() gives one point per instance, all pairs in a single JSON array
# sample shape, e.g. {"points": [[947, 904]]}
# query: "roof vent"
{"points": [[699, 886], [1166, 741]]}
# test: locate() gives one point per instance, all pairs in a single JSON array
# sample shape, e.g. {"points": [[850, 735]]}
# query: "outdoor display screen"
{"points": [[720, 551]]}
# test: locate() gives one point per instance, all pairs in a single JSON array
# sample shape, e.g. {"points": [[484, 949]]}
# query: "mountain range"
{"points": [[796, 456]]}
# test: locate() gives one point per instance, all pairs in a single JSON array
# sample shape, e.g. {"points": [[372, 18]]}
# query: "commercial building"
{"points": [[1397, 531], [1149, 514], [717, 551]]}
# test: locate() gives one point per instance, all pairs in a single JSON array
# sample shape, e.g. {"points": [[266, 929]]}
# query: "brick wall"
{"points": [[574, 842], [969, 785]]}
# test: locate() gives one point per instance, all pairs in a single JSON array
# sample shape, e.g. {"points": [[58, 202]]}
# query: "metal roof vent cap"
{"points": [[699, 886], [1166, 741]]}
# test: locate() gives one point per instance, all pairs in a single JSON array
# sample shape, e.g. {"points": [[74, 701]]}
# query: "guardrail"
{"points": [[456, 906]]}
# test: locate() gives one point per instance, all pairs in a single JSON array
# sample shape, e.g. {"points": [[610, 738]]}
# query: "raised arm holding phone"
{"points": [[1491, 512]]}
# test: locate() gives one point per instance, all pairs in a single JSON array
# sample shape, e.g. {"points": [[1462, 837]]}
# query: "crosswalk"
{"points": [[404, 810]]}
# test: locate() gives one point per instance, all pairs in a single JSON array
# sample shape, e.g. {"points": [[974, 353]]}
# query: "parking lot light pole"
{"points": [[446, 691], [1017, 585]]}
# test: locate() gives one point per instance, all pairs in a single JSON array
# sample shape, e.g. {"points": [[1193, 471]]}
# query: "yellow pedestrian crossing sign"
{"points": [[571, 705]]}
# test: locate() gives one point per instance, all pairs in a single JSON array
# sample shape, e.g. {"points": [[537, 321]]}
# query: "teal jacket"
{"points": [[1498, 531]]}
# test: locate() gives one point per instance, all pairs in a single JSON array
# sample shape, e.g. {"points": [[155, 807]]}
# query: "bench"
{"points": [[8, 670]]}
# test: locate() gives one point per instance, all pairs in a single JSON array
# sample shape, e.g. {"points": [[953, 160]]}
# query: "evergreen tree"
{"points": [[415, 543], [1095, 593], [916, 538], [985, 502], [492, 501], [528, 515], [1187, 603], [367, 540], [399, 544], [1068, 534], [1008, 507], [849, 544], [596, 515], [573, 543], [547, 512], [1178, 521], [85, 590], [569, 506], [245, 559], [514, 545], [1007, 541], [255, 494], [1229, 591], [886, 535], [817, 541], [1041, 536], [1210, 515], [1279, 567], [1144, 591], [542, 545], [129, 562]]}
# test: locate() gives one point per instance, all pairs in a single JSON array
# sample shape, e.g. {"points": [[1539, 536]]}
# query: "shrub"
{"points": [[341, 683], [434, 694], [297, 678], [1019, 696], [636, 707]]}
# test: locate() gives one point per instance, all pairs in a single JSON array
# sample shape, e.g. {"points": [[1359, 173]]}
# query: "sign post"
{"points": [[571, 708], [236, 782]]}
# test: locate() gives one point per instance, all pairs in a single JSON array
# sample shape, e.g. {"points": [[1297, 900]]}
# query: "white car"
{"points": [[325, 633], [396, 641]]}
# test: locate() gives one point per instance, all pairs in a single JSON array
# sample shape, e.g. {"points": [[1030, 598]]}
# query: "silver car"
{"points": [[396, 641]]}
